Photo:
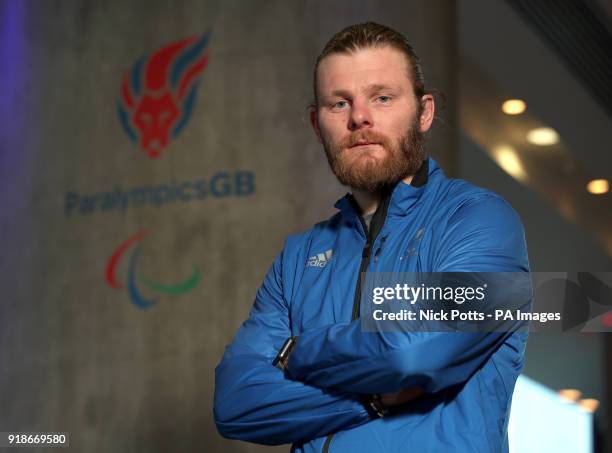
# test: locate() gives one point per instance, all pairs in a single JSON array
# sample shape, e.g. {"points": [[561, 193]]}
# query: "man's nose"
{"points": [[360, 116]]}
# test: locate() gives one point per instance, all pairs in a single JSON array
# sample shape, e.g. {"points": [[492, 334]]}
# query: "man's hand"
{"points": [[402, 397]]}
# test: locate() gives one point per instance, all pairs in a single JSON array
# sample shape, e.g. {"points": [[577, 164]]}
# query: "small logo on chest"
{"points": [[413, 246], [320, 259]]}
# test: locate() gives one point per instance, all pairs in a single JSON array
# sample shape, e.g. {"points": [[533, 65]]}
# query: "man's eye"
{"points": [[384, 99], [340, 105]]}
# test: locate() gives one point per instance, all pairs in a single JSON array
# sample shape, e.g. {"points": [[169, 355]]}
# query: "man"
{"points": [[301, 370]]}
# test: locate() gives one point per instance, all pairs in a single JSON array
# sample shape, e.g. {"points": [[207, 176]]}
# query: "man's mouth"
{"points": [[363, 143]]}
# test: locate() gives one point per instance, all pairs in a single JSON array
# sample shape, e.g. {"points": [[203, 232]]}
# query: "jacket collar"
{"points": [[403, 197]]}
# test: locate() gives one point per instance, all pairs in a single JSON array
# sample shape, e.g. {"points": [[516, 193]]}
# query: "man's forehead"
{"points": [[371, 66]]}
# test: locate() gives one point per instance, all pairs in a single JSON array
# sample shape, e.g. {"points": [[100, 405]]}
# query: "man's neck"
{"points": [[368, 201]]}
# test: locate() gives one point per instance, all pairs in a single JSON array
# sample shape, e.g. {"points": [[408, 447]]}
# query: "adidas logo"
{"points": [[320, 259]]}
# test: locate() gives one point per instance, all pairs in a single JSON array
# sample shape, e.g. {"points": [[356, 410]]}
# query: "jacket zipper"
{"points": [[376, 224]]}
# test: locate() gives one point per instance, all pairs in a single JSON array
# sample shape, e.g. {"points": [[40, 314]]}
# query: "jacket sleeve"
{"points": [[483, 235], [254, 401]]}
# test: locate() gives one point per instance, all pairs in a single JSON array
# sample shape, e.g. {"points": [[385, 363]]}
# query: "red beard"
{"points": [[370, 173]]}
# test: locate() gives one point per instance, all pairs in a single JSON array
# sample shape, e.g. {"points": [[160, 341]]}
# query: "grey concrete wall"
{"points": [[78, 355]]}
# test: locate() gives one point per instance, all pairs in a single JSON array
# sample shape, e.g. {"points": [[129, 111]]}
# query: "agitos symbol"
{"points": [[158, 93], [134, 291]]}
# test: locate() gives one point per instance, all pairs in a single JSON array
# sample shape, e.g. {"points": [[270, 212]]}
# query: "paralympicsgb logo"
{"points": [[158, 93], [136, 284]]}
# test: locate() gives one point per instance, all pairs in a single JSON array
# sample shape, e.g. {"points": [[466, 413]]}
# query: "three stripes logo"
{"points": [[320, 259]]}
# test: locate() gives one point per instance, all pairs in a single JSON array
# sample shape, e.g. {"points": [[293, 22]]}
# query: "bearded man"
{"points": [[301, 369]]}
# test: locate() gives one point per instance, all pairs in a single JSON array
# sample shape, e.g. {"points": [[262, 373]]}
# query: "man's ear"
{"points": [[314, 121], [428, 106]]}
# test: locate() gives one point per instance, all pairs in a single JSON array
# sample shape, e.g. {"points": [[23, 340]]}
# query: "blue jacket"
{"points": [[435, 224]]}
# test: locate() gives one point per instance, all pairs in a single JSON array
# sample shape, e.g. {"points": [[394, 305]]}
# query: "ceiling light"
{"points": [[589, 404], [598, 186], [543, 136], [507, 158], [513, 107], [571, 395]]}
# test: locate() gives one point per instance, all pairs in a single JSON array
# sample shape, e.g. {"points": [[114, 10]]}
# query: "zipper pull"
{"points": [[379, 249], [376, 255]]}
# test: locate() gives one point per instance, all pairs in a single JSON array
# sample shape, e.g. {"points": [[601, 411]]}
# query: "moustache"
{"points": [[364, 138]]}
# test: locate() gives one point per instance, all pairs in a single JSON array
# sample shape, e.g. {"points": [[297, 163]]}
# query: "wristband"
{"points": [[374, 406]]}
